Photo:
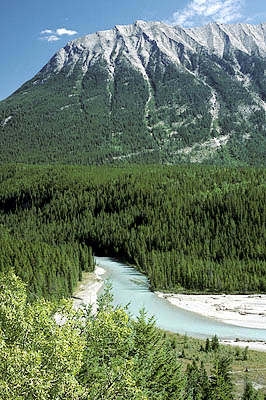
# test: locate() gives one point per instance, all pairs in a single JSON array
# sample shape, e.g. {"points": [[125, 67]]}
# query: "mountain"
{"points": [[145, 92]]}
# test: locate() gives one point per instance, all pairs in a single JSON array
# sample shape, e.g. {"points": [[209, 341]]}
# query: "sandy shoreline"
{"points": [[86, 292], [252, 345], [241, 310]]}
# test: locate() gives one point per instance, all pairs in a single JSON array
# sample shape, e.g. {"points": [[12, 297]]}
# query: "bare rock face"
{"points": [[222, 38], [150, 91], [136, 42]]}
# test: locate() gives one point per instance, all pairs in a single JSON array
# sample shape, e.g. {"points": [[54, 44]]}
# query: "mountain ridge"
{"points": [[174, 94], [198, 38]]}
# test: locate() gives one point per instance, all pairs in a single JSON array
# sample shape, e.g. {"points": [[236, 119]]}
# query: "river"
{"points": [[131, 288]]}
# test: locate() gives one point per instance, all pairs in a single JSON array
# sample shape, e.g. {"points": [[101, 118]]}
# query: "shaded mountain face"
{"points": [[145, 92]]}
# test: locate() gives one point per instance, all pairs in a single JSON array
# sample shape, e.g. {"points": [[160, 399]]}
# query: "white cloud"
{"points": [[199, 12], [53, 36], [64, 31], [46, 31]]}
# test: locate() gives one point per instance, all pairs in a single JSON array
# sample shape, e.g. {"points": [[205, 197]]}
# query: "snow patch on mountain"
{"points": [[6, 120]]}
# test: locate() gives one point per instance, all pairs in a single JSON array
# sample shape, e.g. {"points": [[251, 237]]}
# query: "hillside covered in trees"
{"points": [[187, 228]]}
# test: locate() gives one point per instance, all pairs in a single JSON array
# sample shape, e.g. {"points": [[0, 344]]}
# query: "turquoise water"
{"points": [[131, 287]]}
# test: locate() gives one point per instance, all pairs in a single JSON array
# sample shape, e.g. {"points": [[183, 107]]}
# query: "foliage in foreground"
{"points": [[107, 356], [104, 356]]}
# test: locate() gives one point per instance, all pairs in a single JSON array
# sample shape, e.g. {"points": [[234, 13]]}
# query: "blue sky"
{"points": [[33, 30]]}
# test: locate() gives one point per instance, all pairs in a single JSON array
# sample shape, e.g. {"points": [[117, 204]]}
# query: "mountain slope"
{"points": [[147, 92]]}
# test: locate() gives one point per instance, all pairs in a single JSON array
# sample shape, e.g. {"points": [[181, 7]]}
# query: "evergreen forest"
{"points": [[169, 118], [188, 228]]}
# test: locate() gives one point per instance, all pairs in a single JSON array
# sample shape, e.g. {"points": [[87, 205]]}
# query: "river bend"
{"points": [[131, 288]]}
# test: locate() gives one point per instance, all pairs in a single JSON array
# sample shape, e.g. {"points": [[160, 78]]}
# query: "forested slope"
{"points": [[187, 228]]}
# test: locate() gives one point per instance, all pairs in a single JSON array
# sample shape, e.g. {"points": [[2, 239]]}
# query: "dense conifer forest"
{"points": [[194, 228]]}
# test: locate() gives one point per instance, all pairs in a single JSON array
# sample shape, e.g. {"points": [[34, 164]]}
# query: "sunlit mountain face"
{"points": [[146, 92]]}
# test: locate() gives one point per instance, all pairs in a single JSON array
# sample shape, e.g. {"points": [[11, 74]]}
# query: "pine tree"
{"points": [[215, 343], [221, 385], [249, 392]]}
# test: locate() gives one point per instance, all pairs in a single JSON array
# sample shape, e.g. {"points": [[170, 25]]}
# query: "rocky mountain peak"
{"points": [[135, 42], [150, 90]]}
